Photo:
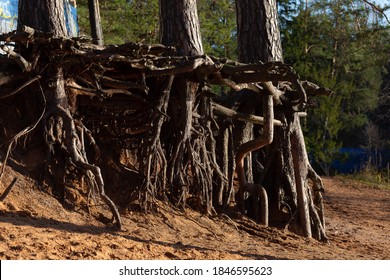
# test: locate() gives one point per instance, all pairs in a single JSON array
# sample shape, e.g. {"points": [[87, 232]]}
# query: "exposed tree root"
{"points": [[192, 165], [258, 143], [155, 163], [142, 98], [24, 131], [73, 146], [318, 190], [310, 212]]}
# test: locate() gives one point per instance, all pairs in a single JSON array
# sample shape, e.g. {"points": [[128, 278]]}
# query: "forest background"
{"points": [[343, 45]]}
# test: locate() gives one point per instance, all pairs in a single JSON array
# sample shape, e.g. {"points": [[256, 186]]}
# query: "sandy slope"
{"points": [[33, 225]]}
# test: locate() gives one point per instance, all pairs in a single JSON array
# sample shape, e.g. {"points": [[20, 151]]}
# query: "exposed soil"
{"points": [[34, 225]]}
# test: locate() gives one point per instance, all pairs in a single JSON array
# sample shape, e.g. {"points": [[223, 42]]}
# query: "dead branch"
{"points": [[220, 110]]}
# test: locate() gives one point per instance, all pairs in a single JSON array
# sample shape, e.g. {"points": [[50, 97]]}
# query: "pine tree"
{"points": [[340, 46], [218, 27]]}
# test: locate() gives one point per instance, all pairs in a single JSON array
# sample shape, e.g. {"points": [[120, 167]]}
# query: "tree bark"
{"points": [[46, 16], [258, 31], [95, 22], [179, 26]]}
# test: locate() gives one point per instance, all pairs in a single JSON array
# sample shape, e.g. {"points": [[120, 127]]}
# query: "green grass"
{"points": [[371, 177]]}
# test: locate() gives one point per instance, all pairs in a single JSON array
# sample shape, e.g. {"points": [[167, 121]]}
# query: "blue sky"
{"points": [[383, 3]]}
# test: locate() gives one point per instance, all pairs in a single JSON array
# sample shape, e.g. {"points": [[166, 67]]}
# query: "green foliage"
{"points": [[372, 176], [138, 21], [341, 46], [218, 27], [124, 21], [381, 116]]}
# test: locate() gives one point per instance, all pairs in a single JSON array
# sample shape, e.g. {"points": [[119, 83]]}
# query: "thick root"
{"points": [[73, 147], [258, 143]]}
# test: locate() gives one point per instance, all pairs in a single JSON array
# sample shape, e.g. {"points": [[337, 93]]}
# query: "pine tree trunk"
{"points": [[46, 16], [258, 31], [95, 22], [179, 26], [285, 164], [189, 145]]}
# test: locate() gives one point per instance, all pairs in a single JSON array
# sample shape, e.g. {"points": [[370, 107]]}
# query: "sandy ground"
{"points": [[34, 225]]}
